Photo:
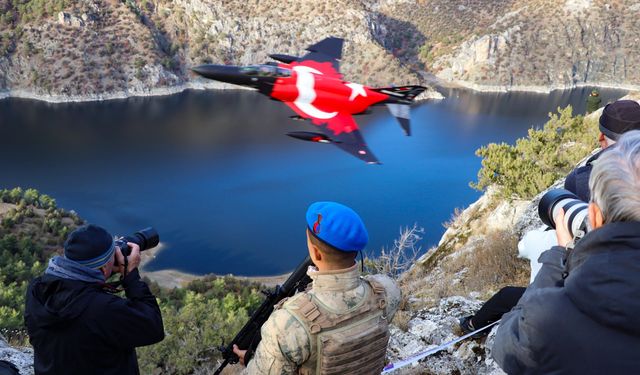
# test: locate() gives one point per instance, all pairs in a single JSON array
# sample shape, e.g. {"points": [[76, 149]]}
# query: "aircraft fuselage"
{"points": [[310, 92]]}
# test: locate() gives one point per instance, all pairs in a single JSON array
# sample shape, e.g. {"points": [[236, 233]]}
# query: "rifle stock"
{"points": [[249, 336]]}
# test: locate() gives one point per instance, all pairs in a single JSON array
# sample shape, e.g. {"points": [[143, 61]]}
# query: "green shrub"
{"points": [[198, 319], [25, 249], [535, 162], [20, 261]]}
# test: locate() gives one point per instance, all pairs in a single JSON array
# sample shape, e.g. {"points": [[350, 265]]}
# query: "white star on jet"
{"points": [[356, 89]]}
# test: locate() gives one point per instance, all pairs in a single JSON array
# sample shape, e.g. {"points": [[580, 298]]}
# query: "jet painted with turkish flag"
{"points": [[313, 87]]}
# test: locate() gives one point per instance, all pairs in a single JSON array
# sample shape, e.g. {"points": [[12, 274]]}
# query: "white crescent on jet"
{"points": [[307, 94]]}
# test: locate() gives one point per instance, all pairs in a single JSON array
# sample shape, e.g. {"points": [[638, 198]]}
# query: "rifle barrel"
{"points": [[249, 335], [222, 366]]}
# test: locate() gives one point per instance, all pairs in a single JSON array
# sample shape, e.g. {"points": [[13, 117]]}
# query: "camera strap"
{"points": [[580, 233], [126, 266], [113, 287], [565, 260]]}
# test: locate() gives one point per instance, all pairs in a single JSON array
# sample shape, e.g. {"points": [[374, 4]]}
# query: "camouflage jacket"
{"points": [[285, 342]]}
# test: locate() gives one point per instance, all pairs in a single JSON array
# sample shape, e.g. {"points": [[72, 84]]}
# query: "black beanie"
{"points": [[89, 245], [620, 117]]}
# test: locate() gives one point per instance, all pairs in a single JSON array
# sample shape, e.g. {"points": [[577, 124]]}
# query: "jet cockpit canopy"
{"points": [[265, 71]]}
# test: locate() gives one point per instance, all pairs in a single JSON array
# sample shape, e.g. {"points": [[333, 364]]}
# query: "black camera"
{"points": [[147, 238], [575, 210]]}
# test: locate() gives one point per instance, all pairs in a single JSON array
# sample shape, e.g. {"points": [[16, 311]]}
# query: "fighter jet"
{"points": [[314, 89]]}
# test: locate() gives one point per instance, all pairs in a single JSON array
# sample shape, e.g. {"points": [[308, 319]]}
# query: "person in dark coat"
{"points": [[581, 315], [75, 323]]}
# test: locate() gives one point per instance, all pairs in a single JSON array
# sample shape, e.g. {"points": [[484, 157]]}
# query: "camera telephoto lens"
{"points": [[575, 210], [146, 238]]}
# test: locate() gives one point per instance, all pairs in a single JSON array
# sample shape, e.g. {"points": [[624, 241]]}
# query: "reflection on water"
{"points": [[214, 173]]}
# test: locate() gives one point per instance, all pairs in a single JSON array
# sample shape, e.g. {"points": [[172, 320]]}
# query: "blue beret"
{"points": [[337, 225]]}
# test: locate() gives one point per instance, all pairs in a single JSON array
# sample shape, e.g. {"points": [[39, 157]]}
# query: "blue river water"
{"points": [[227, 191]]}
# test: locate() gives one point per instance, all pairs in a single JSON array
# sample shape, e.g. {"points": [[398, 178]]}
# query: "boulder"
{"points": [[70, 20], [22, 358]]}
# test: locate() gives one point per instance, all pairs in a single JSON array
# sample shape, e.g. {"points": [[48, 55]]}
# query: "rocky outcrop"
{"points": [[21, 358], [438, 325], [474, 55], [71, 20]]}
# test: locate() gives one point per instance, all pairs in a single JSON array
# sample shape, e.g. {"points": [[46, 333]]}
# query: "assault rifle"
{"points": [[249, 336]]}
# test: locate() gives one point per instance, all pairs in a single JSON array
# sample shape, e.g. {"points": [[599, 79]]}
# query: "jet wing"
{"points": [[342, 131], [327, 50]]}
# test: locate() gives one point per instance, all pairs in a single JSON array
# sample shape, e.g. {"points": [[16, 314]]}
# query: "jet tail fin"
{"points": [[402, 113], [401, 94]]}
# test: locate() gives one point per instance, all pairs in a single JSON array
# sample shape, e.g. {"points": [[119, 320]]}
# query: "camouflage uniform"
{"points": [[285, 342]]}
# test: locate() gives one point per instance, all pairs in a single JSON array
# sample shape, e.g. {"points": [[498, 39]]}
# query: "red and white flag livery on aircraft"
{"points": [[313, 87]]}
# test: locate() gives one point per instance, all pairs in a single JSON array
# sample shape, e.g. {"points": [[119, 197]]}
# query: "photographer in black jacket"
{"points": [[76, 324]]}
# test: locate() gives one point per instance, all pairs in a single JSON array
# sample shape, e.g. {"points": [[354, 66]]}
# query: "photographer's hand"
{"points": [[562, 232], [133, 259]]}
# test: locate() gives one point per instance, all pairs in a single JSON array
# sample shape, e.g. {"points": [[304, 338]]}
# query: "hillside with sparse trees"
{"points": [[67, 49], [504, 44], [71, 49]]}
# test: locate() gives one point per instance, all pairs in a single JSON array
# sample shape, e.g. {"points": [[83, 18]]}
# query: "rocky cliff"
{"points": [[107, 48], [517, 44], [69, 49]]}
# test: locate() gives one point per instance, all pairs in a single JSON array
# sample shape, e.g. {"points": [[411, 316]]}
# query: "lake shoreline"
{"points": [[171, 278], [432, 94], [543, 90], [119, 95], [214, 85]]}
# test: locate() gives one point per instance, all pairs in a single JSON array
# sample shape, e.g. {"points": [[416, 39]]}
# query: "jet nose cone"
{"points": [[223, 73], [211, 71], [199, 70]]}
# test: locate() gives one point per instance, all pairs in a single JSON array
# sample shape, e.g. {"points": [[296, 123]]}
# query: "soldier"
{"points": [[340, 324]]}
